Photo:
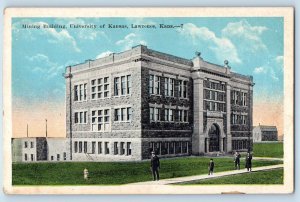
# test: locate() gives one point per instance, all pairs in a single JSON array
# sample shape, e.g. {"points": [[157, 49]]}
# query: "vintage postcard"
{"points": [[148, 100]]}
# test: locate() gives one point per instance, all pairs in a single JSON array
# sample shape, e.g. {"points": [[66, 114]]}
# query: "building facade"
{"points": [[125, 105], [262, 133], [32, 149]]}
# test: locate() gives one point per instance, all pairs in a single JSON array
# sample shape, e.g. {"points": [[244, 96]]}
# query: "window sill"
{"points": [[103, 98], [119, 96], [122, 121], [79, 101], [158, 95]]}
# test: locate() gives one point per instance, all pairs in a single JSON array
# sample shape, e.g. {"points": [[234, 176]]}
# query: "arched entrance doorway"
{"points": [[214, 138]]}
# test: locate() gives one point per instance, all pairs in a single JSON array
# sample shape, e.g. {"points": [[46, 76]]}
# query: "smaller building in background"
{"points": [[32, 149], [262, 133]]}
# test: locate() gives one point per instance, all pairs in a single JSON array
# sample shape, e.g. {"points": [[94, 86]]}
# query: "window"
{"points": [[185, 147], [166, 114], [154, 85], [32, 157], [58, 157], [157, 85], [155, 114], [80, 147], [169, 115], [25, 157], [243, 119], [122, 148], [25, 144], [151, 84], [101, 120], [244, 99], [100, 88], [172, 87], [183, 115], [235, 119], [169, 86], [75, 146], [129, 84], [85, 147], [123, 114], [166, 86], [178, 147], [172, 148], [52, 158], [185, 89], [128, 148], [122, 85], [151, 114], [129, 114], [31, 144], [116, 149], [106, 144], [93, 147], [99, 147], [65, 156], [81, 117], [182, 89], [80, 92]]}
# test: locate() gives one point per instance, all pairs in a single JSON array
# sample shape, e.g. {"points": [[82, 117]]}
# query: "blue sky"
{"points": [[253, 46]]}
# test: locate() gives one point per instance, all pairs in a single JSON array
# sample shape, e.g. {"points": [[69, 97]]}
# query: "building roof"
{"points": [[267, 128]]}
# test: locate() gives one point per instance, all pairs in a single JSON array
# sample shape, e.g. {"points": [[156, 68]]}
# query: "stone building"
{"points": [[262, 133], [125, 105], [32, 149]]}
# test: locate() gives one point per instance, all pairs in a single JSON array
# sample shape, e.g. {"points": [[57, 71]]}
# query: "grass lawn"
{"points": [[114, 173], [268, 150], [274, 176]]}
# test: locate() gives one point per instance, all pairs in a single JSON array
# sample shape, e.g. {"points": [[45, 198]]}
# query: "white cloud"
{"points": [[260, 70], [273, 75], [248, 36], [268, 70], [41, 64], [279, 60], [130, 40], [51, 35], [61, 37], [222, 47], [103, 54]]}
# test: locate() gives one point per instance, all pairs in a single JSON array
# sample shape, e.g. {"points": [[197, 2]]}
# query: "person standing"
{"points": [[237, 161], [211, 167], [155, 166], [249, 162]]}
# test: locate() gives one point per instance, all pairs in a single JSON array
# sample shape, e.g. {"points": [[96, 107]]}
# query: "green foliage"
{"points": [[114, 173], [268, 150], [274, 176]]}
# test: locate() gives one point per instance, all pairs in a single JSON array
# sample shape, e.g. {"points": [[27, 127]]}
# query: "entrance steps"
{"points": [[216, 154]]}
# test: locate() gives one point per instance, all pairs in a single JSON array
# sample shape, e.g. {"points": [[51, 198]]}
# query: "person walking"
{"points": [[155, 166], [249, 162], [237, 161], [211, 167]]}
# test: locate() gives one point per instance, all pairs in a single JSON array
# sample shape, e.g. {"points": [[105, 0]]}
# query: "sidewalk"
{"points": [[268, 158], [201, 177]]}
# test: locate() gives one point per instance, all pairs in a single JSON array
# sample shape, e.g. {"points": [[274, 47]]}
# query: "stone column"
{"points": [[221, 144], [69, 97], [198, 137], [207, 145], [228, 117]]}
